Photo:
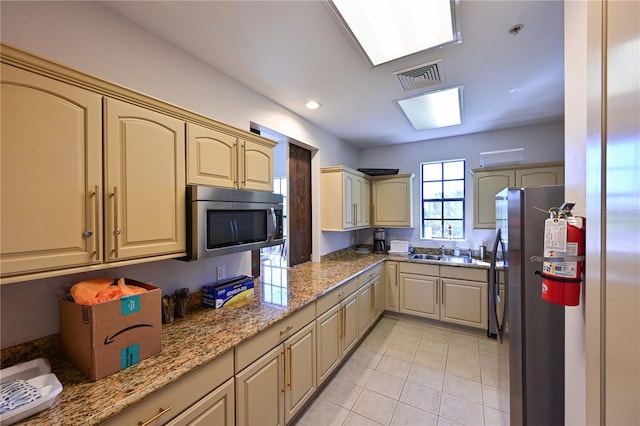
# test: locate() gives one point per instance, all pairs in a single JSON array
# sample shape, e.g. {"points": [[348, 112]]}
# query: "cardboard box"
{"points": [[227, 291], [105, 338]]}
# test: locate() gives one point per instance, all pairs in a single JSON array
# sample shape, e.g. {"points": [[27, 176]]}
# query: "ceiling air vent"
{"points": [[420, 76]]}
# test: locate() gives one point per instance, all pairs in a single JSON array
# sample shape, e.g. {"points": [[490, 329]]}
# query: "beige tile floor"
{"points": [[412, 373]]}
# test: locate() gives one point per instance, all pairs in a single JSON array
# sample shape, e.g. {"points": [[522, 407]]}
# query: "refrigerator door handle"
{"points": [[494, 283]]}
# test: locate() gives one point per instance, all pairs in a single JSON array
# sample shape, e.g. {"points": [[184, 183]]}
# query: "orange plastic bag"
{"points": [[100, 290]]}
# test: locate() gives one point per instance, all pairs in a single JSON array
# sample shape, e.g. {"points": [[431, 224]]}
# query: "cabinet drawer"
{"points": [[369, 274], [420, 268], [335, 296], [180, 395], [260, 344], [472, 274]]}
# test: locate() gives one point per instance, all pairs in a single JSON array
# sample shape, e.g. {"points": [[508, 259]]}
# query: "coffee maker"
{"points": [[380, 240]]}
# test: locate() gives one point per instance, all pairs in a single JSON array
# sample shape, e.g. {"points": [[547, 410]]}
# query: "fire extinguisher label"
{"points": [[555, 235], [562, 269]]}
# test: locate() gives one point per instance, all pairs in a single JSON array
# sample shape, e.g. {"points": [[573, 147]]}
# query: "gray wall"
{"points": [[541, 143]]}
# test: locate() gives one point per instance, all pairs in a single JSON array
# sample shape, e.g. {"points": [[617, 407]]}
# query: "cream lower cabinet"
{"points": [[274, 382], [51, 174], [490, 180], [446, 293], [260, 391], [392, 201], [217, 408], [144, 182], [464, 296], [378, 296], [365, 307], [337, 327], [392, 291], [205, 396], [221, 157], [419, 290]]}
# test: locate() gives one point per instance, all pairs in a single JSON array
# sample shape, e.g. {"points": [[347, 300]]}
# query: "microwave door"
{"points": [[273, 225], [234, 230]]}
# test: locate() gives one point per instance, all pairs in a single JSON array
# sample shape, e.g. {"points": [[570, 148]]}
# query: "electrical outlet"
{"points": [[220, 272]]}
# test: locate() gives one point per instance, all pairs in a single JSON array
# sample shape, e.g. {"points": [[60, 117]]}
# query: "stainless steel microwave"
{"points": [[222, 221]]}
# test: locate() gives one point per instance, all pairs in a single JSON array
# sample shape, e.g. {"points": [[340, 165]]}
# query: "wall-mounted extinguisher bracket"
{"points": [[563, 259]]}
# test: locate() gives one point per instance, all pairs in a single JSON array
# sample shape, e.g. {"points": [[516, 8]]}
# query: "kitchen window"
{"points": [[442, 192]]}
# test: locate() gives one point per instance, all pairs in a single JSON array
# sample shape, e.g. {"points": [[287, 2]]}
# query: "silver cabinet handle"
{"points": [[117, 231]]}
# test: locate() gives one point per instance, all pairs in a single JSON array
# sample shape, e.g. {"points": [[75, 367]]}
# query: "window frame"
{"points": [[442, 200]]}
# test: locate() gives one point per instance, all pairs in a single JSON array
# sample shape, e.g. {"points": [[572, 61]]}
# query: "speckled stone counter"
{"points": [[188, 343], [193, 341]]}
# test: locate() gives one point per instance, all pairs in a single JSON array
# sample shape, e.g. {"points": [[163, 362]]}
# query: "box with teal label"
{"points": [[110, 336], [227, 292]]}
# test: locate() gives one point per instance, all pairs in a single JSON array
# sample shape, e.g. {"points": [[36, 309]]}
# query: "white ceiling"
{"points": [[293, 51]]}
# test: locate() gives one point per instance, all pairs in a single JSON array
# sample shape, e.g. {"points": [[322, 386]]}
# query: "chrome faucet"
{"points": [[442, 249], [469, 253]]}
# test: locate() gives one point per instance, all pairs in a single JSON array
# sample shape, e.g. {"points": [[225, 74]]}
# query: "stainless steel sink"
{"points": [[445, 259], [456, 259], [425, 256]]}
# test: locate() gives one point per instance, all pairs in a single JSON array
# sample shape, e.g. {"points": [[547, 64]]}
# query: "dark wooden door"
{"points": [[299, 215]]}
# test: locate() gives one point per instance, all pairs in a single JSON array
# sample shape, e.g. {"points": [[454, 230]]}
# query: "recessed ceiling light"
{"points": [[388, 30], [433, 110], [312, 105]]}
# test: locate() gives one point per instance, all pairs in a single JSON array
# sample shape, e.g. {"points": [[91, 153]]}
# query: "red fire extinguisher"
{"points": [[564, 239]]}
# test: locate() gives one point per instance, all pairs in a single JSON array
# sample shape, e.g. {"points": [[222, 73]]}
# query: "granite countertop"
{"points": [[192, 341]]}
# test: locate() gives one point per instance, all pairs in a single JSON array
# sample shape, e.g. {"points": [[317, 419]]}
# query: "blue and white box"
{"points": [[227, 291]]}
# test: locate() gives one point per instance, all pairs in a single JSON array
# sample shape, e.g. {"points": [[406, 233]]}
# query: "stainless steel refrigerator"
{"points": [[530, 331]]}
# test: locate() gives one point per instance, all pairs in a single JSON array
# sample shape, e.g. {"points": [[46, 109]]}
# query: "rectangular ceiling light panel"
{"points": [[432, 110], [391, 29]]}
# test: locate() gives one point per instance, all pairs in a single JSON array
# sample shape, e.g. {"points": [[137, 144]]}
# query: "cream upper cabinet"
{"points": [[392, 199], [51, 174], [144, 181], [346, 199], [255, 168], [489, 181], [485, 187], [223, 158]]}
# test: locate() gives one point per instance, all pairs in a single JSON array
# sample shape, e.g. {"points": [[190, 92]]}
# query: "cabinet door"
{"points": [[349, 323], [349, 218], [364, 309], [51, 174], [145, 182], [211, 157], [366, 202], [419, 295], [300, 369], [540, 176], [393, 202], [255, 168], [485, 187], [260, 390], [377, 296], [464, 302], [329, 329], [392, 299], [216, 408]]}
